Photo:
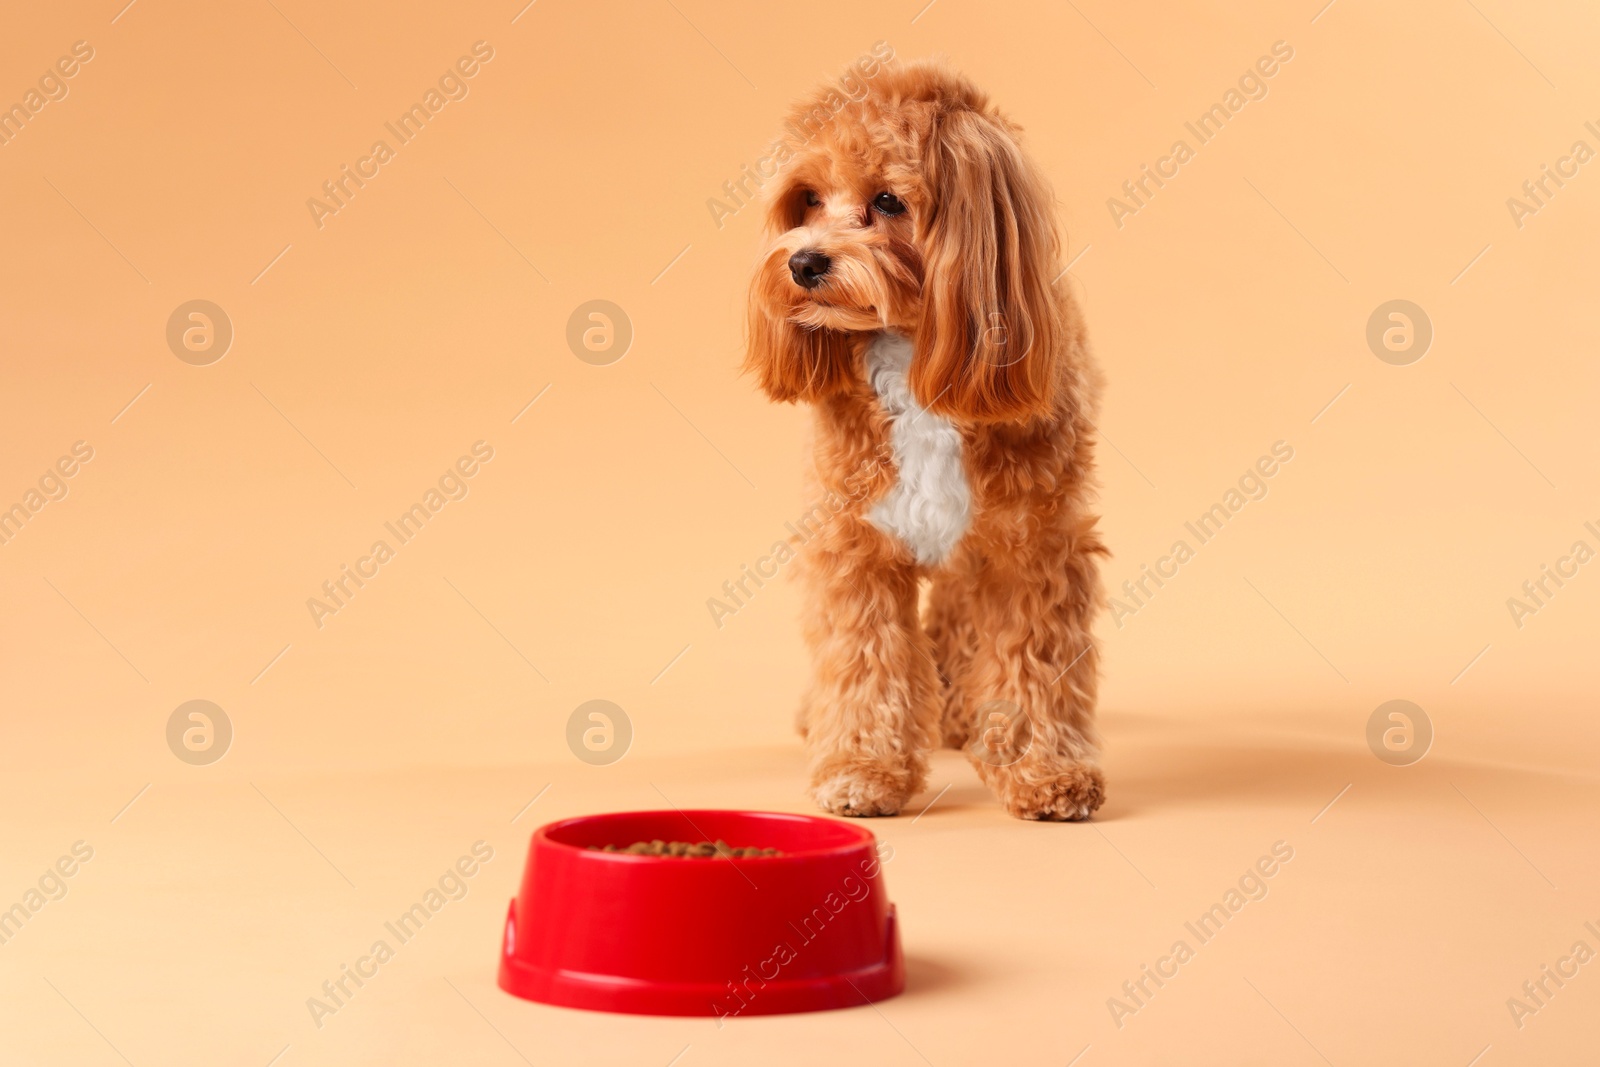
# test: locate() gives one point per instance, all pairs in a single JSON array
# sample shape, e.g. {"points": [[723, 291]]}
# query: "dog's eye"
{"points": [[889, 204], [811, 199]]}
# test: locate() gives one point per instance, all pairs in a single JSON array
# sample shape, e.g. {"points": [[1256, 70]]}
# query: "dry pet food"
{"points": [[685, 850]]}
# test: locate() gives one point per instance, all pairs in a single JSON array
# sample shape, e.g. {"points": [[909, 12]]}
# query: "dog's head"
{"points": [[908, 205]]}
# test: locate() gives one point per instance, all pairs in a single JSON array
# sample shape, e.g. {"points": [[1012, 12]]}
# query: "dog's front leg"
{"points": [[873, 704], [1037, 659]]}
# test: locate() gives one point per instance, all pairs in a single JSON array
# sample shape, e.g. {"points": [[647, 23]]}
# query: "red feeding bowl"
{"points": [[659, 935]]}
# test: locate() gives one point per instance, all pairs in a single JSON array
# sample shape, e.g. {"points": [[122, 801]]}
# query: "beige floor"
{"points": [[372, 349], [1413, 907]]}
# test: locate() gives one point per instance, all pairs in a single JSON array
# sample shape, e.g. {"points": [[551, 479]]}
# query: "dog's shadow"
{"points": [[1158, 776], [960, 795], [1149, 769]]}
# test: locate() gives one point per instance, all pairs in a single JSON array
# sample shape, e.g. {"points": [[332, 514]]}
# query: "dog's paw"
{"points": [[861, 790], [1071, 794]]}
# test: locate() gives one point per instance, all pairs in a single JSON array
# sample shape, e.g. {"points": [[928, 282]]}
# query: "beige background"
{"points": [[424, 716]]}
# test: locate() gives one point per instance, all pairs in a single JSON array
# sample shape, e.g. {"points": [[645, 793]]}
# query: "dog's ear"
{"points": [[985, 348], [791, 362]]}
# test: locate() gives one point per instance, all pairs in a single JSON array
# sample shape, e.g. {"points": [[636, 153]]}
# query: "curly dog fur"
{"points": [[912, 217]]}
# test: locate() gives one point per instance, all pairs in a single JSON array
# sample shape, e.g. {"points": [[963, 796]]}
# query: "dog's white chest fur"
{"points": [[930, 506]]}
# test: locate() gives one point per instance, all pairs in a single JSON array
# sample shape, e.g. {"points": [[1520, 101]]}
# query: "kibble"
{"points": [[686, 850]]}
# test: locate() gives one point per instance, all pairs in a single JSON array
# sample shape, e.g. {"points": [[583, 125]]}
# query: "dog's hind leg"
{"points": [[802, 714], [948, 621]]}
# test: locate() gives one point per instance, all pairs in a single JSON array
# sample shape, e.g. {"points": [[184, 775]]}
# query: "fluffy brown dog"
{"points": [[909, 291]]}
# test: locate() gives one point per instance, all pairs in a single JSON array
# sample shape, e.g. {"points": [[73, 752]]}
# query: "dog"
{"points": [[909, 291]]}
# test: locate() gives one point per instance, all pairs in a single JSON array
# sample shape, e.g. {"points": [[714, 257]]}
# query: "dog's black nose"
{"points": [[808, 267]]}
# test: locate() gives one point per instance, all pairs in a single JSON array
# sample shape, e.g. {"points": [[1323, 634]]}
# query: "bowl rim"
{"points": [[863, 836]]}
